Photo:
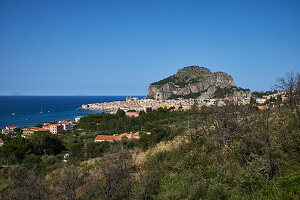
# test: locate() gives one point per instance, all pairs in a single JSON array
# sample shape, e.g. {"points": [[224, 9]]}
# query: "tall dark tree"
{"points": [[21, 147], [45, 143], [6, 152], [121, 113]]}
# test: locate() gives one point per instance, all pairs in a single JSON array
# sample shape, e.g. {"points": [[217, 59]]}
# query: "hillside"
{"points": [[194, 81], [228, 152]]}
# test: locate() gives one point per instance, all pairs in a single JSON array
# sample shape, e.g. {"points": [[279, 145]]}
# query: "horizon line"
{"points": [[67, 95]]}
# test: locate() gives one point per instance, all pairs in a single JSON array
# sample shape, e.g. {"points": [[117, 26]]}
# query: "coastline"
{"points": [[27, 108], [142, 104], [33, 119]]}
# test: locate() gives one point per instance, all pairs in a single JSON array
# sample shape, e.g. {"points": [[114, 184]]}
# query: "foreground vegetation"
{"points": [[230, 152]]}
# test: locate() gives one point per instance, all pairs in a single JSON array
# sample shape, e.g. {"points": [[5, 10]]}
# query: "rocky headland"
{"points": [[195, 81]]}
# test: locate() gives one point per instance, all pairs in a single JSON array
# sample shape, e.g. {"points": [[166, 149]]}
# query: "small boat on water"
{"points": [[41, 111], [13, 113], [48, 110]]}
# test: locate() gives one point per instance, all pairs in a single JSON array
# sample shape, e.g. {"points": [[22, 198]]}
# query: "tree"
{"points": [[5, 152], [194, 121], [116, 181], [25, 184], [18, 130], [77, 151], [272, 100], [279, 98], [94, 150], [39, 125], [21, 147], [290, 85], [45, 143], [32, 162], [252, 101], [226, 123], [67, 181], [121, 113], [149, 110]]}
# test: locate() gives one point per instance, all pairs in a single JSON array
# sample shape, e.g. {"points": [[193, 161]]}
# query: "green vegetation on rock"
{"points": [[192, 79], [185, 76], [228, 91], [182, 79], [188, 96]]}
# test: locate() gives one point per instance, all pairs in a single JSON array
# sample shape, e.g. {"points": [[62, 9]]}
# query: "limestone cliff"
{"points": [[189, 82]]}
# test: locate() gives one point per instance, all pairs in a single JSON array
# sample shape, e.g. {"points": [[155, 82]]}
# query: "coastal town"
{"points": [[46, 127], [133, 105]]}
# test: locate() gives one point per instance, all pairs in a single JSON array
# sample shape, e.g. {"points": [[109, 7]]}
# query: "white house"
{"points": [[77, 119], [260, 100]]}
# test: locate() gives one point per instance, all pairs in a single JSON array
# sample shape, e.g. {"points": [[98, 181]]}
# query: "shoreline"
{"points": [[32, 119], [60, 107]]}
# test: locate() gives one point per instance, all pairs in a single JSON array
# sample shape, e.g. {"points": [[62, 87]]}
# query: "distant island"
{"points": [[16, 94]]}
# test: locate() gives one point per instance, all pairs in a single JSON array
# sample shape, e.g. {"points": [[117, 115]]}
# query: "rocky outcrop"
{"points": [[194, 69], [164, 91], [192, 80]]}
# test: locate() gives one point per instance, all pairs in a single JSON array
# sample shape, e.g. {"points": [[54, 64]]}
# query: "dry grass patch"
{"points": [[140, 158]]}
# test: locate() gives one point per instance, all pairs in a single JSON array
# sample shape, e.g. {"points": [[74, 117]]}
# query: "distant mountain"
{"points": [[194, 81], [16, 94], [82, 94]]}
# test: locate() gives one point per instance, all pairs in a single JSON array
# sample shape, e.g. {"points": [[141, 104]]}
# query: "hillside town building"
{"points": [[1, 142], [67, 126], [132, 114], [8, 129], [30, 130], [55, 128], [11, 129]]}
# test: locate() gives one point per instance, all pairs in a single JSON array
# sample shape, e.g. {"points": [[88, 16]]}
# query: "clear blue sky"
{"points": [[110, 47]]}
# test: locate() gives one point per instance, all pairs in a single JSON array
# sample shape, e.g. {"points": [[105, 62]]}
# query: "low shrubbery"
{"points": [[229, 152]]}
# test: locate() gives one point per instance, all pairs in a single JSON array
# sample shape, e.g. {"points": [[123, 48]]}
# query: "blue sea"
{"points": [[27, 108]]}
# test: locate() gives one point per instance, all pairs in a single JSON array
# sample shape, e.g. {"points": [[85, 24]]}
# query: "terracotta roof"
{"points": [[41, 129], [132, 112], [30, 128], [12, 126], [1, 141], [35, 128], [119, 137], [65, 122], [136, 134], [115, 137], [105, 137], [55, 125]]}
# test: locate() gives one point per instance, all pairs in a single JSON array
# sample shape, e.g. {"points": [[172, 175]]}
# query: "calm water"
{"points": [[28, 108]]}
